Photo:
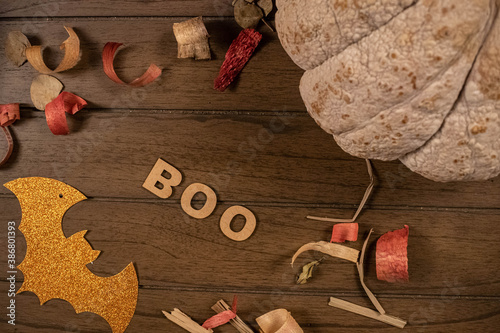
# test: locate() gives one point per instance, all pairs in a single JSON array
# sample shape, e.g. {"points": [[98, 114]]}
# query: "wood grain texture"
{"points": [[255, 146], [185, 83], [171, 249], [283, 158], [433, 314], [134, 8]]}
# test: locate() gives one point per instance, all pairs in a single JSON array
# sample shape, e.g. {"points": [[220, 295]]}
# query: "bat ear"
{"points": [[13, 185]]}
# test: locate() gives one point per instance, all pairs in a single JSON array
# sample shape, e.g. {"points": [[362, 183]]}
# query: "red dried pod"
{"points": [[392, 256], [237, 56]]}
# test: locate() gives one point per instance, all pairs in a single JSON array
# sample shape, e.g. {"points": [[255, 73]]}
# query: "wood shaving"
{"points": [[332, 249], [71, 47], [108, 55], [278, 321]]}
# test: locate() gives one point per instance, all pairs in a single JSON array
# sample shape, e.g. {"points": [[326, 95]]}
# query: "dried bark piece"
{"points": [[344, 231], [192, 39], [332, 249], [247, 14], [108, 54], [71, 47], [392, 257], [55, 111], [237, 56], [15, 47], [44, 89], [278, 321]]}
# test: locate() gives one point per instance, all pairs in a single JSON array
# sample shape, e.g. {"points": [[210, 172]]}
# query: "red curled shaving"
{"points": [[237, 56], [223, 317], [392, 257], [9, 113], [344, 231], [108, 55], [55, 111]]}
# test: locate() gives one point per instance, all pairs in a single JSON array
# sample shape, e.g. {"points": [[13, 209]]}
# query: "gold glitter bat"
{"points": [[55, 266]]}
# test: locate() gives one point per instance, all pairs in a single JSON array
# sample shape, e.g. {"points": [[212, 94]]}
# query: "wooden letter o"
{"points": [[248, 229], [207, 208]]}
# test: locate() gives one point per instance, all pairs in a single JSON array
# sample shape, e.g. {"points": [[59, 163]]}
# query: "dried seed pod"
{"points": [[44, 89], [265, 5], [192, 39], [247, 14], [237, 56], [15, 47]]}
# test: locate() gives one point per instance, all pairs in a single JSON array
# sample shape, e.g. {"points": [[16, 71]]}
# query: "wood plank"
{"points": [[441, 314], [283, 158], [46, 8], [449, 252], [185, 84]]}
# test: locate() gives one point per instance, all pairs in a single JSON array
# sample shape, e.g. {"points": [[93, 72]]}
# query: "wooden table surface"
{"points": [[256, 146]]}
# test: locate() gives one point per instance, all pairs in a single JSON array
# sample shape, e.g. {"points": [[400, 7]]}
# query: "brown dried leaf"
{"points": [[44, 89], [15, 47], [307, 272], [247, 15], [265, 5]]}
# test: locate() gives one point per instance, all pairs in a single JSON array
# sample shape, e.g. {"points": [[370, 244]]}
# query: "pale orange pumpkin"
{"points": [[412, 80]]}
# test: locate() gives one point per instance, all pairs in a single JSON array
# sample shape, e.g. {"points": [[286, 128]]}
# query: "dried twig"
{"points": [[181, 319], [361, 205], [361, 272], [348, 306], [351, 307]]}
